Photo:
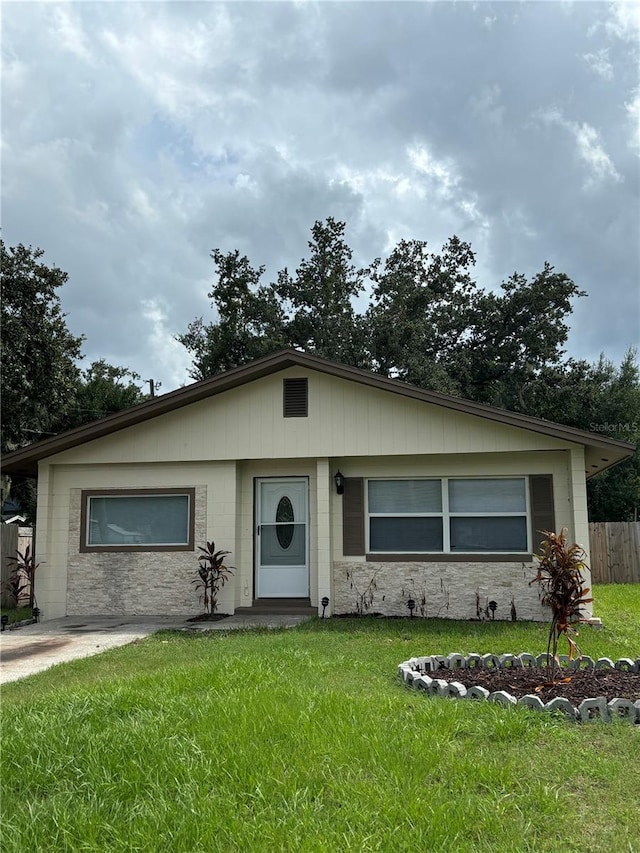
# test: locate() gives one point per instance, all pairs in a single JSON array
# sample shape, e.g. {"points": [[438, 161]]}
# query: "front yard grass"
{"points": [[16, 614], [304, 740]]}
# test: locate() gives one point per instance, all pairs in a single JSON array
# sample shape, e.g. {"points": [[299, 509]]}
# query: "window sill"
{"points": [[128, 549], [480, 557]]}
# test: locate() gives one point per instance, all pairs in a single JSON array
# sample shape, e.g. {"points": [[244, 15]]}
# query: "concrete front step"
{"points": [[279, 606]]}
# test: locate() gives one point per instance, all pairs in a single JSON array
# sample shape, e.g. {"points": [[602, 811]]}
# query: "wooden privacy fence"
{"points": [[615, 551], [12, 539]]}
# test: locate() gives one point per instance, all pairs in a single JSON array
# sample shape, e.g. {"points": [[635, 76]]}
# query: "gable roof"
{"points": [[601, 452]]}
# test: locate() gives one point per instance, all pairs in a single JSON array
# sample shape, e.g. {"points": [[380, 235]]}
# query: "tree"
{"points": [[318, 301], [515, 339], [613, 409], [43, 390], [250, 319], [430, 324], [603, 399], [101, 390], [420, 314], [39, 353], [312, 310]]}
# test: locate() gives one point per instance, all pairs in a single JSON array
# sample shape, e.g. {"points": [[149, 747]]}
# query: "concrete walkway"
{"points": [[33, 648]]}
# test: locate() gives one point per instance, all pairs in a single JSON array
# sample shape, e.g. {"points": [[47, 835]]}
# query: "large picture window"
{"points": [[472, 515], [138, 520]]}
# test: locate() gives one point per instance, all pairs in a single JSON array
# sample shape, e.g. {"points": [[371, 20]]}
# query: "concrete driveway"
{"points": [[33, 648]]}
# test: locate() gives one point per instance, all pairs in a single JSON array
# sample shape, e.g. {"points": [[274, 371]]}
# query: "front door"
{"points": [[282, 538]]}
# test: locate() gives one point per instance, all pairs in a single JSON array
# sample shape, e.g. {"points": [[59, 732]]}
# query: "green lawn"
{"points": [[305, 740], [16, 614]]}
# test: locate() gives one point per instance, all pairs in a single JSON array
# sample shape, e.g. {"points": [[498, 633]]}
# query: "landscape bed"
{"points": [[582, 690]]}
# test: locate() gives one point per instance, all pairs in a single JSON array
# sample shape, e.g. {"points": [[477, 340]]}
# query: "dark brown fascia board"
{"points": [[25, 460]]}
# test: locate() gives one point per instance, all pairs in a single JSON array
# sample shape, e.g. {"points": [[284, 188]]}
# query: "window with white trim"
{"points": [[137, 520], [448, 515]]}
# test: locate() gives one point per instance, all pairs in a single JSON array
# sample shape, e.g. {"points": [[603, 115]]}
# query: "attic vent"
{"points": [[295, 398]]}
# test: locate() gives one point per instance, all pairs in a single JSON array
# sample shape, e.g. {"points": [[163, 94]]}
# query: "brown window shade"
{"points": [[542, 508], [295, 398], [353, 517]]}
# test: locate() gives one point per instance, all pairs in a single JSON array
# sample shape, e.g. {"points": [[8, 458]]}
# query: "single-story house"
{"points": [[323, 481]]}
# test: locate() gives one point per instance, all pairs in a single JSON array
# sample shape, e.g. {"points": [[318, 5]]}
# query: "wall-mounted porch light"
{"points": [[339, 480]]}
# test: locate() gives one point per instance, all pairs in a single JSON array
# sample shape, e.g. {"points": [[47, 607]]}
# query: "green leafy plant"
{"points": [[22, 580], [560, 577], [212, 575]]}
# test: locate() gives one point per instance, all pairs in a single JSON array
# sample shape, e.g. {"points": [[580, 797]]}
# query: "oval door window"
{"points": [[284, 513]]}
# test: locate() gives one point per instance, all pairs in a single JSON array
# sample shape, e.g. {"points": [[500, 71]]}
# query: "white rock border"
{"points": [[416, 674]]}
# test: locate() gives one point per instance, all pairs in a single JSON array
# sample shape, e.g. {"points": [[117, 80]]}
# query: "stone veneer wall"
{"points": [[134, 583], [452, 590]]}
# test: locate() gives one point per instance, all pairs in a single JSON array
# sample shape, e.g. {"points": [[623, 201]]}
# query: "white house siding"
{"points": [[452, 589], [345, 419]]}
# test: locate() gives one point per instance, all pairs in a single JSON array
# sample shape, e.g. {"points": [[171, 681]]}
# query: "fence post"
{"points": [[8, 548]]}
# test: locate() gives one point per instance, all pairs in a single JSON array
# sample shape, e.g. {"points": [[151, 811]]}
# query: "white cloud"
{"points": [[70, 34], [137, 137], [599, 63], [594, 155], [601, 167], [440, 173], [169, 356], [624, 20], [633, 111]]}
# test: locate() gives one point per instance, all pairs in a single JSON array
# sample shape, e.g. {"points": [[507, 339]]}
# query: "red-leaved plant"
{"points": [[23, 577], [560, 577], [212, 575]]}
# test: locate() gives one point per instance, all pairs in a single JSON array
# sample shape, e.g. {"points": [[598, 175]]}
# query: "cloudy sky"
{"points": [[138, 137]]}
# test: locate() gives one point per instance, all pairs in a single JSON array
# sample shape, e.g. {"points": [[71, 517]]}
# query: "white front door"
{"points": [[282, 538]]}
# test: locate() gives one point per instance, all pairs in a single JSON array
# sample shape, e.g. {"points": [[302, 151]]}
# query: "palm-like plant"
{"points": [[212, 575], [560, 567], [23, 578]]}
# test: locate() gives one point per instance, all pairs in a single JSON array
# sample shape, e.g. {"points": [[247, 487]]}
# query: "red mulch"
{"points": [[575, 686]]}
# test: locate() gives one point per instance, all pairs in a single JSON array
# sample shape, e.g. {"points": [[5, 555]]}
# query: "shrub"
{"points": [[560, 577], [212, 575], [23, 577]]}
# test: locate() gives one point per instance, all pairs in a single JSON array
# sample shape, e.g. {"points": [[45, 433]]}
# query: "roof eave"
{"points": [[25, 460]]}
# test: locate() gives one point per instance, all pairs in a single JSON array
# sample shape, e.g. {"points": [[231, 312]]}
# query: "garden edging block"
{"points": [[414, 673]]}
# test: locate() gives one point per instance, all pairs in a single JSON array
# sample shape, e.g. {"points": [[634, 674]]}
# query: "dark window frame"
{"points": [[446, 515], [86, 548]]}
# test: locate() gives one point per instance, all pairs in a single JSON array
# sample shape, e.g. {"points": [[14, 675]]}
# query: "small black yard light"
{"points": [[339, 480], [325, 604], [412, 606], [493, 606], [35, 612], [4, 619]]}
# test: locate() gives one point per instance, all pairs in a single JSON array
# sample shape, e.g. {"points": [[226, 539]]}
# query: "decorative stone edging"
{"points": [[414, 673]]}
